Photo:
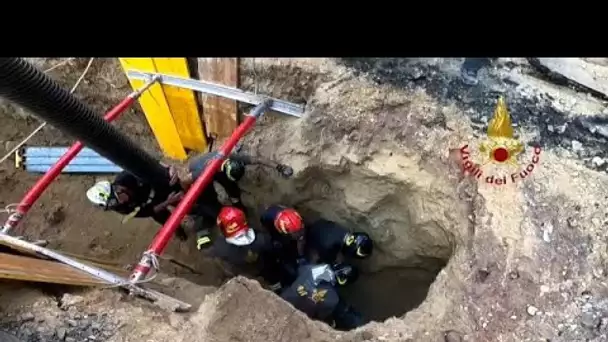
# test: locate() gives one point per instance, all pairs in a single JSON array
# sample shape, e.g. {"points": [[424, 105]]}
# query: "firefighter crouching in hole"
{"points": [[320, 241], [133, 197], [329, 242], [314, 292], [312, 286], [248, 251], [287, 230], [231, 171]]}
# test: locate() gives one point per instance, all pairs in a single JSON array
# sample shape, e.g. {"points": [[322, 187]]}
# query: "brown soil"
{"points": [[371, 153], [65, 218], [63, 215]]}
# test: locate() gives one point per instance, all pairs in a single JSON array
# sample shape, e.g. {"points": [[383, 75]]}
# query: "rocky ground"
{"points": [[378, 151], [70, 324], [107, 315]]}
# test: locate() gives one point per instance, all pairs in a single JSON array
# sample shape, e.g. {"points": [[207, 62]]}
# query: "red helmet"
{"points": [[288, 221], [232, 222]]}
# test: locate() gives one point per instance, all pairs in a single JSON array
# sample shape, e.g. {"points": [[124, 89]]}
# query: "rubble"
{"points": [[70, 325]]}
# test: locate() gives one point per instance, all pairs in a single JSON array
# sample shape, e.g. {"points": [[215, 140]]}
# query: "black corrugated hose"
{"points": [[27, 86]]}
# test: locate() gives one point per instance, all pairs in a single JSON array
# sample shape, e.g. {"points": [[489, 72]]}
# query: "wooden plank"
{"points": [[156, 109], [220, 114], [36, 270], [91, 261], [182, 104], [18, 249]]}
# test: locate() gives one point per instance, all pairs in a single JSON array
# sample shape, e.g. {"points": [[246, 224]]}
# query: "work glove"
{"points": [[175, 197], [173, 176], [203, 239], [285, 170]]}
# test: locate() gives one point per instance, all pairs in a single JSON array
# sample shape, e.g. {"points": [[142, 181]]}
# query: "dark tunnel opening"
{"points": [[389, 292]]}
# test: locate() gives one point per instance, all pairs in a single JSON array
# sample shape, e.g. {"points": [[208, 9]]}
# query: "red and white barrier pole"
{"points": [[36, 191], [163, 236]]}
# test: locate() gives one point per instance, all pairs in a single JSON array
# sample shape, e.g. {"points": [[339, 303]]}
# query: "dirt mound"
{"points": [[378, 151], [107, 315]]}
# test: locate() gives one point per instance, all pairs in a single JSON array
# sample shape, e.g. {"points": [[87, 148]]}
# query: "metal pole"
{"points": [[236, 94], [162, 237], [96, 272], [36, 191]]}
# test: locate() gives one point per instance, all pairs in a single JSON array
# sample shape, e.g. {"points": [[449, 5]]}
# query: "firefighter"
{"points": [[320, 241], [329, 242], [286, 228], [133, 197], [231, 171], [248, 251], [314, 293]]}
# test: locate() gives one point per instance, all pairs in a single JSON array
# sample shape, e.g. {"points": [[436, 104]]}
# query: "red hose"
{"points": [[163, 236], [36, 191]]}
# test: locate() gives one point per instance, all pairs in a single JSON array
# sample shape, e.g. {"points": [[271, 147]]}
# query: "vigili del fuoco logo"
{"points": [[502, 150]]}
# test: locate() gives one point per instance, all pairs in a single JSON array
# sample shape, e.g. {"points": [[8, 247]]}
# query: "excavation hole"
{"points": [[390, 292], [409, 252]]}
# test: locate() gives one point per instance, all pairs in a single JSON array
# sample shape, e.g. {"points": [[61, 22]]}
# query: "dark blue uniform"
{"points": [[268, 217], [144, 196], [198, 164], [318, 298], [286, 247], [208, 206], [325, 238], [317, 301], [289, 245], [257, 257], [346, 318]]}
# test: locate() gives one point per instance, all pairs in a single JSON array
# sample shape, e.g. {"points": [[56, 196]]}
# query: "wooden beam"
{"points": [[155, 107], [114, 267], [182, 103], [36, 270], [220, 114]]}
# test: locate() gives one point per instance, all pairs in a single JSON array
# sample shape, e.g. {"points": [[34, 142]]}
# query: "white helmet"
{"points": [[99, 193]]}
